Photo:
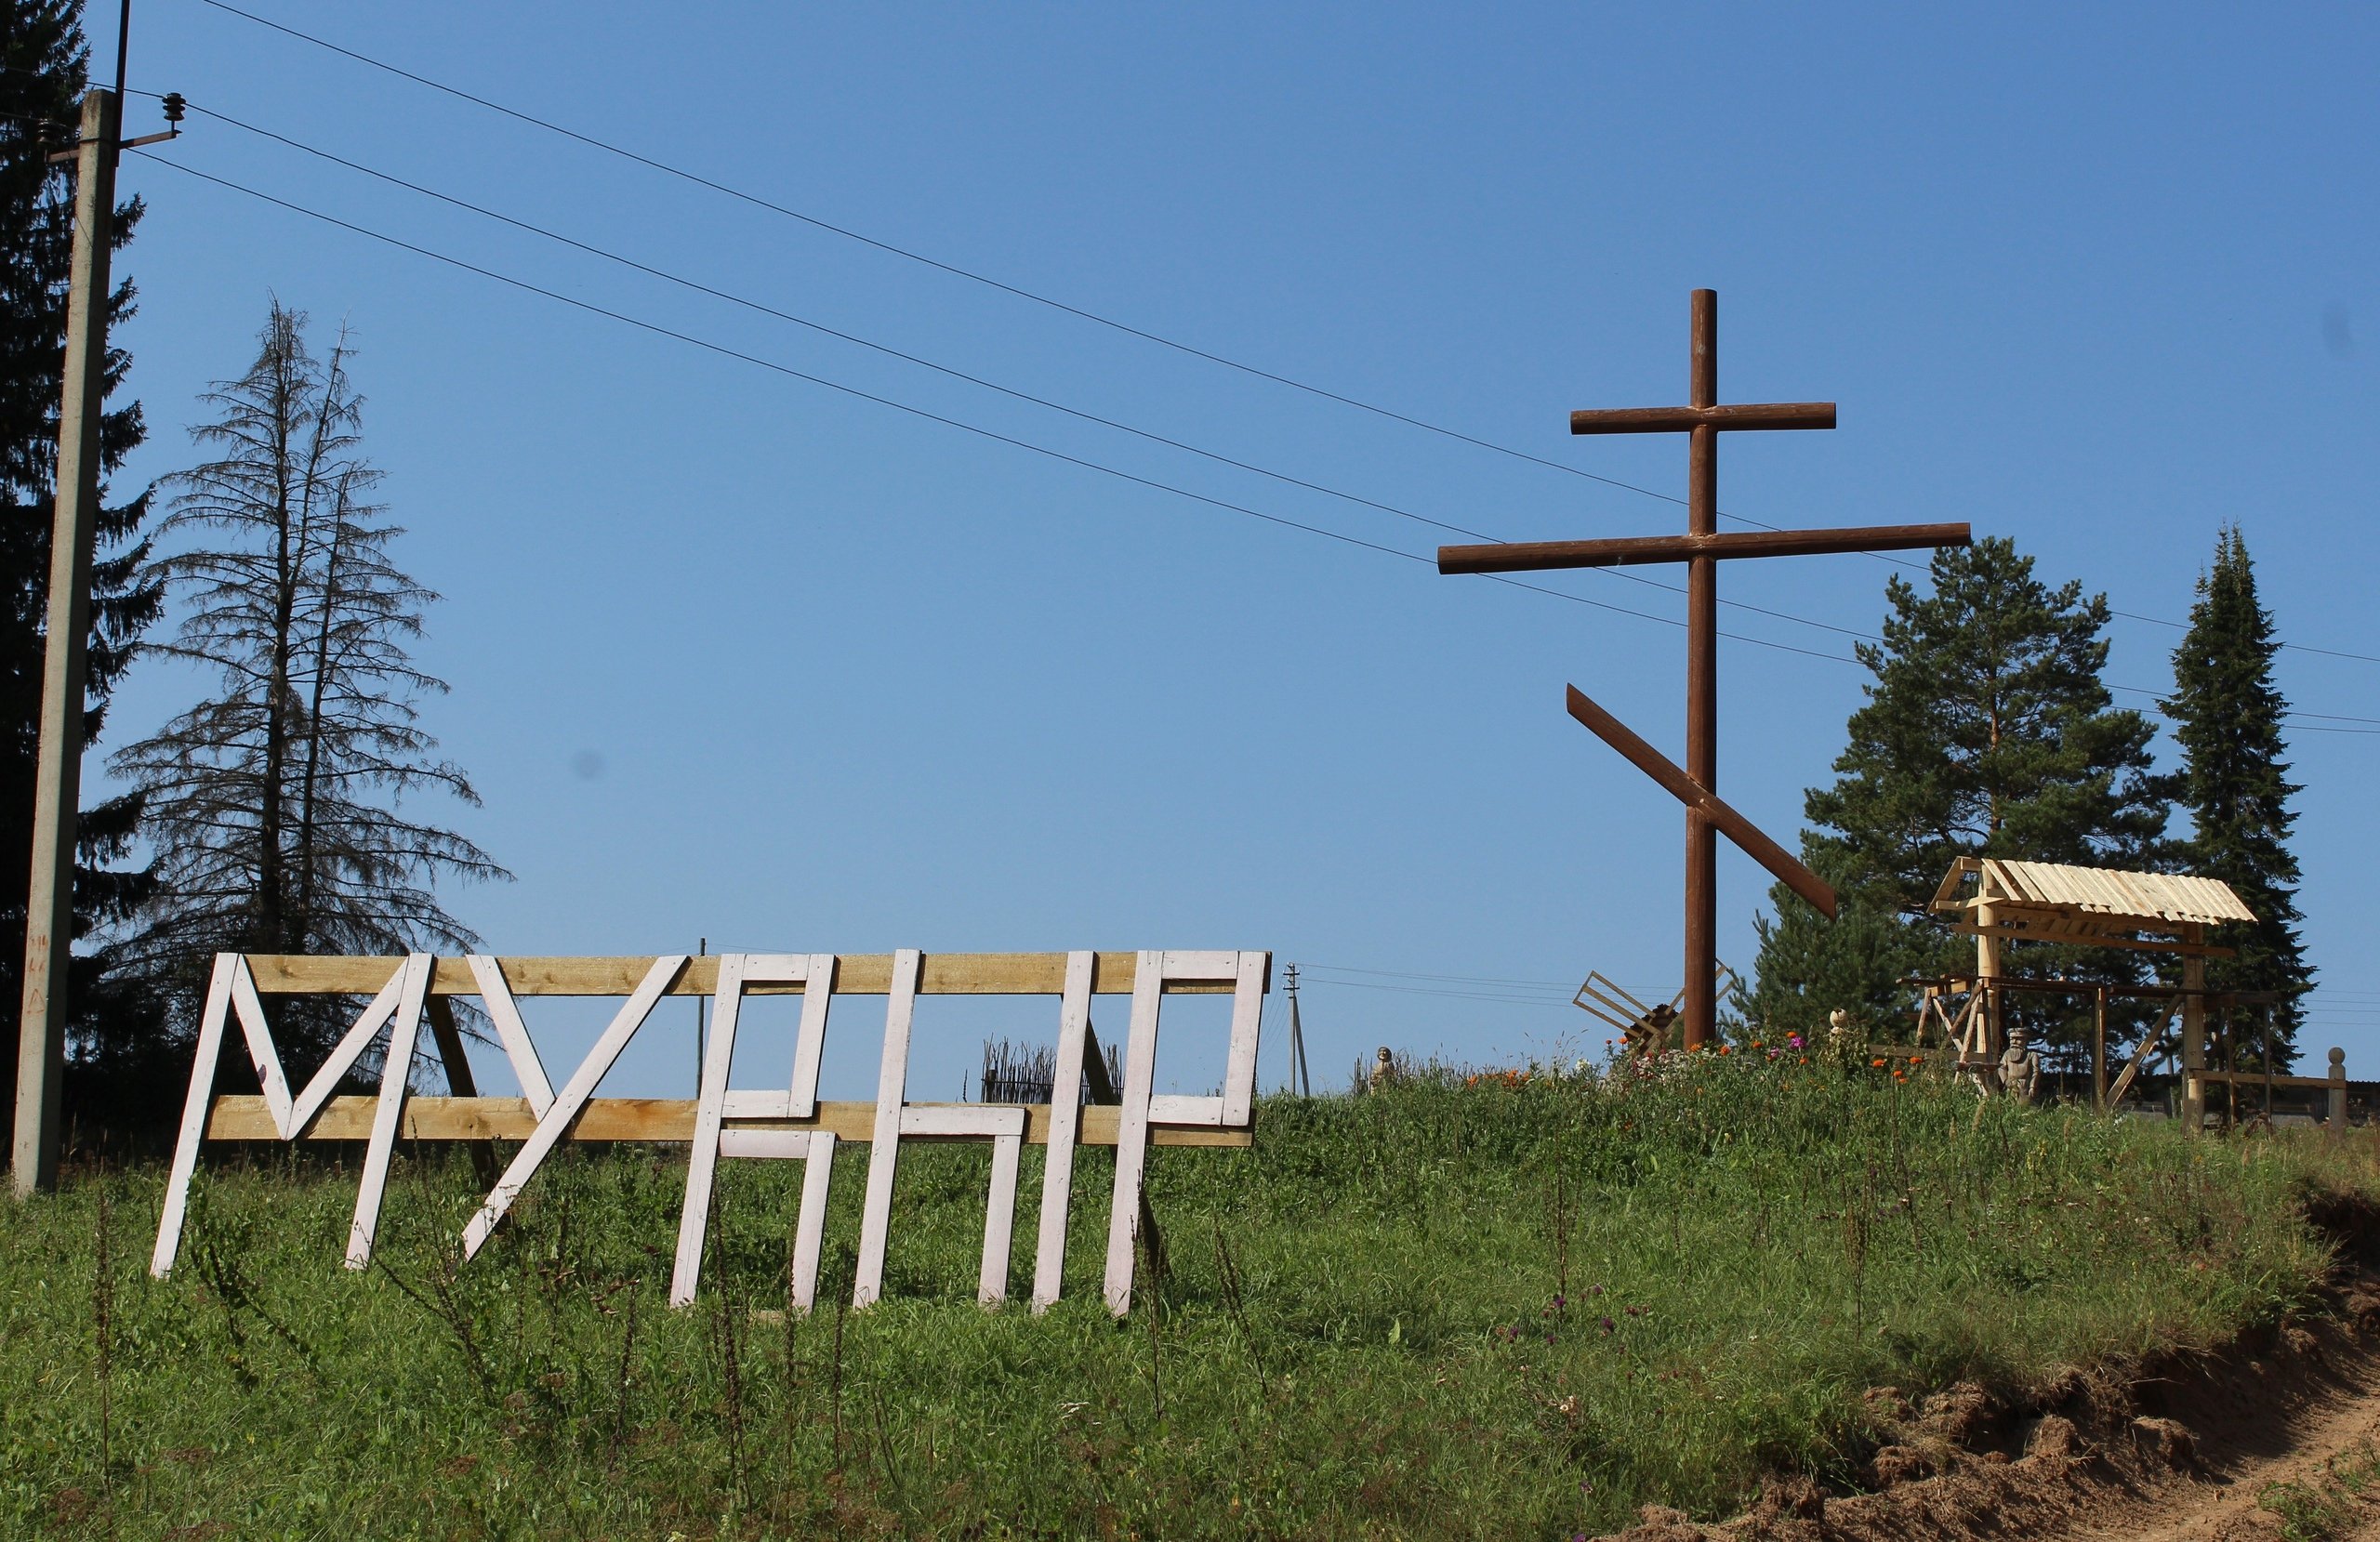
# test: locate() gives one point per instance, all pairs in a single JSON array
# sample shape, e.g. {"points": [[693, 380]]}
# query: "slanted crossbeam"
{"points": [[1700, 548]]}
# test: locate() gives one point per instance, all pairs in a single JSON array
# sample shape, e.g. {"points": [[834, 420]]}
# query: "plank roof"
{"points": [[2113, 892]]}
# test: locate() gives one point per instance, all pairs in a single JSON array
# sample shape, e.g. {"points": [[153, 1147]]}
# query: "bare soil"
{"points": [[2180, 1449]]}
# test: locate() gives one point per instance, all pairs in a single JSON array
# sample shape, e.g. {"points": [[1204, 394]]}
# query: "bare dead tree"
{"points": [[277, 805]]}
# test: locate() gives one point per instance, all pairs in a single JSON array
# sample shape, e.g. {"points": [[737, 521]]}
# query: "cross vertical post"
{"points": [[1701, 549], [1702, 678]]}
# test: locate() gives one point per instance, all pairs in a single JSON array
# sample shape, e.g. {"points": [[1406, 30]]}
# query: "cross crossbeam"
{"points": [[1700, 548], [1626, 550]]}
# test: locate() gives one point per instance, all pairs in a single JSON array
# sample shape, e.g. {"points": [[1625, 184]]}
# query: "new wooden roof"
{"points": [[2150, 899]]}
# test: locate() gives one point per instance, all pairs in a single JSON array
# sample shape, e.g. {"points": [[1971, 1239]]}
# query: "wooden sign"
{"points": [[786, 1123]]}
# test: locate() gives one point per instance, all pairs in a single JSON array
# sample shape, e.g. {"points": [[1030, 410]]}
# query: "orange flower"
{"points": [[1726, 1049], [1917, 1060], [1877, 1062]]}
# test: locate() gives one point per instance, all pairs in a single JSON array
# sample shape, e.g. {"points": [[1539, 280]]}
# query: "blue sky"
{"points": [[737, 656]]}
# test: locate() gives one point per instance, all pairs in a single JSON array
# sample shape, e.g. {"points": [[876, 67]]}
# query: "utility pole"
{"points": [[1301, 1080], [58, 786]]}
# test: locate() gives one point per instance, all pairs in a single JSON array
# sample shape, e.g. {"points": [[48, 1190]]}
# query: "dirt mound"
{"points": [[2176, 1446]]}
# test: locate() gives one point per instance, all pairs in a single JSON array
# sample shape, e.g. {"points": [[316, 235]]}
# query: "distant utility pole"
{"points": [[57, 785], [1298, 1074]]}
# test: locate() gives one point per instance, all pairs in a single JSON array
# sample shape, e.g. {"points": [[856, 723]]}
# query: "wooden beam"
{"points": [[236, 1117], [1679, 420], [1734, 826], [857, 974], [1625, 552], [2092, 940]]}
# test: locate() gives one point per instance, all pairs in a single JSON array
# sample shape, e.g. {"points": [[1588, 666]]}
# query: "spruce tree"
{"points": [[1985, 732], [41, 86], [2227, 714], [277, 807]]}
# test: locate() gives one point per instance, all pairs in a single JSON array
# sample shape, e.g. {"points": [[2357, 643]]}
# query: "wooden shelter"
{"points": [[1999, 900]]}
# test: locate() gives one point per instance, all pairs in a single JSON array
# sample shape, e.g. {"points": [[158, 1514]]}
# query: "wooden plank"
{"points": [[1247, 1022], [999, 1222], [767, 1145], [496, 998], [810, 1041], [962, 1121], [1748, 837], [1173, 1108], [857, 974], [711, 1098], [350, 1045], [1132, 1132], [660, 1120], [1632, 550], [892, 1090], [639, 1121], [2257, 1079], [2068, 932], [572, 1099], [396, 1072], [258, 1034], [1678, 420], [810, 1230], [197, 1108], [1065, 1118]]}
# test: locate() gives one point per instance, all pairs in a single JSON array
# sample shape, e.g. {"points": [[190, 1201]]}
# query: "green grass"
{"points": [[2329, 1505], [1460, 1311]]}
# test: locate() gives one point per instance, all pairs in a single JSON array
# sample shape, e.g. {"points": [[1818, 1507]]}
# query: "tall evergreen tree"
{"points": [[45, 63], [276, 807], [2227, 714], [1986, 732]]}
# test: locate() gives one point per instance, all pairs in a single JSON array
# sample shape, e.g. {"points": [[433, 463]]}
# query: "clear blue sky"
{"points": [[737, 656]]}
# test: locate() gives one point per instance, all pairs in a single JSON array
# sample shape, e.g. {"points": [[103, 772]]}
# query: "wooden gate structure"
{"points": [[2017, 901], [787, 1121]]}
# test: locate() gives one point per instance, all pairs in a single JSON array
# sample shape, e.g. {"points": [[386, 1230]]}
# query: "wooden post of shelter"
{"points": [[2099, 1049], [1700, 548], [2194, 1033]]}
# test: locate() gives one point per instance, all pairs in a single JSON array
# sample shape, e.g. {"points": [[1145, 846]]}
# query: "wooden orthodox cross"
{"points": [[1699, 550]]}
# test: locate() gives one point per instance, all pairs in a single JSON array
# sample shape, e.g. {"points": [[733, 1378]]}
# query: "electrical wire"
{"points": [[1153, 484], [1187, 349], [763, 309], [725, 351]]}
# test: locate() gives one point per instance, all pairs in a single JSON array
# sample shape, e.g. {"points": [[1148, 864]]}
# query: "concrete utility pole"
{"points": [[1301, 1080], [50, 909]]}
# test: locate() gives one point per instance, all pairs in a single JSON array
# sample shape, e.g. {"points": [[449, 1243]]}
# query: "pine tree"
{"points": [[1986, 732], [45, 62], [2228, 715], [276, 807]]}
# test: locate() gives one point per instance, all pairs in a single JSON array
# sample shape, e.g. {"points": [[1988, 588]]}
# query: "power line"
{"points": [[1187, 349], [725, 351], [763, 309], [774, 366], [912, 256]]}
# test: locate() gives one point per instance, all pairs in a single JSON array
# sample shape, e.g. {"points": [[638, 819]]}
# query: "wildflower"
{"points": [[1609, 1325], [1917, 1060], [1726, 1049], [1878, 1062], [1794, 1040], [1756, 1044], [1636, 1312]]}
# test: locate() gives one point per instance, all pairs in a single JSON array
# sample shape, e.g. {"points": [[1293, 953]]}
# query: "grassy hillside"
{"points": [[1500, 1308]]}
